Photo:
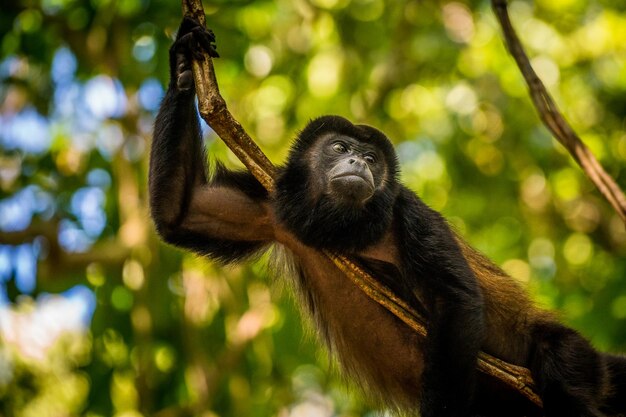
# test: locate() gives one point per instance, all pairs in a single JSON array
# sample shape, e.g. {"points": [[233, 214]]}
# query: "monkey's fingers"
{"points": [[186, 26], [206, 40]]}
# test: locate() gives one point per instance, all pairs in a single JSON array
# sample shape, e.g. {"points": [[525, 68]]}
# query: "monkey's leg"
{"points": [[569, 373]]}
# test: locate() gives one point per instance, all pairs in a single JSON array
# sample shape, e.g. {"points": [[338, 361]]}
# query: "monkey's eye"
{"points": [[370, 159], [339, 147]]}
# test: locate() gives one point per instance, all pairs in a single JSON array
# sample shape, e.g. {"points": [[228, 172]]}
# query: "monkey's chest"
{"points": [[372, 345]]}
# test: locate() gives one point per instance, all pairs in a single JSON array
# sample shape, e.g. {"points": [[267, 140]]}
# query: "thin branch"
{"points": [[214, 111], [554, 120]]}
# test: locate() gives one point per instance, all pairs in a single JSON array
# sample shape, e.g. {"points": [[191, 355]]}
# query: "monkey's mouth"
{"points": [[351, 186], [350, 175], [352, 179]]}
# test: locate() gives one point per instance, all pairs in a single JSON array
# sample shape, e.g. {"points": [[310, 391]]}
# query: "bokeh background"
{"points": [[99, 318]]}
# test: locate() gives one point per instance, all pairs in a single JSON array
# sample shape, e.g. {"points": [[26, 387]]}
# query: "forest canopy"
{"points": [[98, 317]]}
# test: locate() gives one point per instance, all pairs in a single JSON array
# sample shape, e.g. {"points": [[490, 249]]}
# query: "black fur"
{"points": [[567, 370], [433, 274], [433, 263]]}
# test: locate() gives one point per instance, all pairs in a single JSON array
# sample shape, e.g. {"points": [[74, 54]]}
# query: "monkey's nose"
{"points": [[356, 161]]}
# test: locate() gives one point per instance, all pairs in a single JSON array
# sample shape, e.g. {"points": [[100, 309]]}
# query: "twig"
{"points": [[214, 111], [553, 119]]}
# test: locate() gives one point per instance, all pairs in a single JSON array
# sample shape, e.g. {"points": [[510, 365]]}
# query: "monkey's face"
{"points": [[338, 187], [349, 170]]}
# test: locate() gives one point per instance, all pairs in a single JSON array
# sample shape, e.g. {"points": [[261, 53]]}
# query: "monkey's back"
{"points": [[509, 312]]}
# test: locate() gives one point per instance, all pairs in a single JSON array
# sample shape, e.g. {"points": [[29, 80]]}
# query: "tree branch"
{"points": [[214, 111], [554, 120]]}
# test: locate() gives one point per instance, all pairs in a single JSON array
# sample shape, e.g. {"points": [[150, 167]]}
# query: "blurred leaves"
{"points": [[149, 330]]}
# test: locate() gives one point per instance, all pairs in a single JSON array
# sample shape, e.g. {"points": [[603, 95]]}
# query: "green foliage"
{"points": [[175, 335]]}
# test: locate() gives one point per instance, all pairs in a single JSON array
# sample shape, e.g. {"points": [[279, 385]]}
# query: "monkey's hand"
{"points": [[192, 41]]}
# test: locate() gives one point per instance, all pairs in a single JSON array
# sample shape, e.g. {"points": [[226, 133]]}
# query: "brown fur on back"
{"points": [[509, 311]]}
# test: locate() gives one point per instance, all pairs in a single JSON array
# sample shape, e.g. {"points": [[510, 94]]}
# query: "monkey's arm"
{"points": [[225, 216], [435, 264]]}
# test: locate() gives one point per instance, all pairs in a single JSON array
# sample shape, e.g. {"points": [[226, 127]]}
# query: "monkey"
{"points": [[339, 191]]}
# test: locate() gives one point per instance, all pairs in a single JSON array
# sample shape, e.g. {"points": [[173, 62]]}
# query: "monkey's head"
{"points": [[339, 184]]}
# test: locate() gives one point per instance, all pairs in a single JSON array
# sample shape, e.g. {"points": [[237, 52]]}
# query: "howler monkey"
{"points": [[339, 190]]}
